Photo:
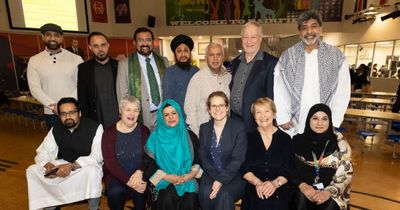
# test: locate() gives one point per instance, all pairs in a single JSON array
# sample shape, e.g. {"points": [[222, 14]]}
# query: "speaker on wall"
{"points": [[151, 21]]}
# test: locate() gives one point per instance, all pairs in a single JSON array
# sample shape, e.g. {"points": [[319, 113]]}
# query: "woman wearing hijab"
{"points": [[269, 161], [170, 161], [222, 151], [323, 164]]}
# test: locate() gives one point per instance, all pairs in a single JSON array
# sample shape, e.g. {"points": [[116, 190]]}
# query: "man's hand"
{"points": [[49, 167], [53, 108], [286, 126], [215, 189], [64, 170]]}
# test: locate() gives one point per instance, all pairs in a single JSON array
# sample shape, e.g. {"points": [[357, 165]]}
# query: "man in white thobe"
{"points": [[308, 73], [68, 162]]}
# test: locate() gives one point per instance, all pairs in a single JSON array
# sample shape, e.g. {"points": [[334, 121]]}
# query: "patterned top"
{"points": [[340, 161]]}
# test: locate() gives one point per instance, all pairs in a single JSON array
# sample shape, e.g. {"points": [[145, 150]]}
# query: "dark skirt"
{"points": [[169, 199], [278, 201]]}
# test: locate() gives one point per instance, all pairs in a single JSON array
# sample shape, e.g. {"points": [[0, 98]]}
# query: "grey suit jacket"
{"points": [[122, 88]]}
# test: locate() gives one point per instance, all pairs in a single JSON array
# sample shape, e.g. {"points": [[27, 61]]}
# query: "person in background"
{"points": [[323, 168], [74, 48], [269, 161], [52, 73], [223, 145], [123, 150], [177, 77]]}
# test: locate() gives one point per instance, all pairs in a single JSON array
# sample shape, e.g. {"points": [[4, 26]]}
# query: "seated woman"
{"points": [[171, 161], [268, 163], [222, 151], [323, 168], [122, 148]]}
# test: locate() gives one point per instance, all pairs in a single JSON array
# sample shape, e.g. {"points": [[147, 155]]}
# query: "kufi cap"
{"points": [[181, 39], [51, 27]]}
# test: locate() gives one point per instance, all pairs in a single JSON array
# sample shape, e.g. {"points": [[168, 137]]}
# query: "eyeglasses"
{"points": [[219, 106], [70, 113]]}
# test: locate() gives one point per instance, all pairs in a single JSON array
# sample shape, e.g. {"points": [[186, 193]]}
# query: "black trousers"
{"points": [[300, 202], [168, 199], [117, 194]]}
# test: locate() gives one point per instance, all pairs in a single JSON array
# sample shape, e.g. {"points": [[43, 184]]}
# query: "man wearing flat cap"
{"points": [[52, 73], [177, 77]]}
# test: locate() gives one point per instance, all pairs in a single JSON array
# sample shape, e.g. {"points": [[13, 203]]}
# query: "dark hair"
{"points": [[141, 30], [67, 100], [307, 15], [217, 94], [96, 33]]}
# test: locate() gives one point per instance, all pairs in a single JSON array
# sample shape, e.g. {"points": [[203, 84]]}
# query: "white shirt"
{"points": [[311, 94], [143, 67], [53, 76]]}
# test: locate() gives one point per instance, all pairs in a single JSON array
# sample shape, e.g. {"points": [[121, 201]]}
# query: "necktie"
{"points": [[154, 92]]}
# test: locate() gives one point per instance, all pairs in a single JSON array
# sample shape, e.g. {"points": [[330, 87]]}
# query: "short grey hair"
{"points": [[128, 99], [307, 15], [215, 45], [252, 23]]}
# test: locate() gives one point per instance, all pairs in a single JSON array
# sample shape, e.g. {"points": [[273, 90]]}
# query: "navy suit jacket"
{"points": [[260, 83], [87, 94], [233, 150]]}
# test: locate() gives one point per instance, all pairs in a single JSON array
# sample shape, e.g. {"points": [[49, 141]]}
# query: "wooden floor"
{"points": [[375, 185]]}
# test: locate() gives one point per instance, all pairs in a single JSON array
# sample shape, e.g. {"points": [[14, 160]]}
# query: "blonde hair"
{"points": [[263, 101]]}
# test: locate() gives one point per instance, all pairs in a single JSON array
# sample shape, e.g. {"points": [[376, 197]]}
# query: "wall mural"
{"points": [[222, 12]]}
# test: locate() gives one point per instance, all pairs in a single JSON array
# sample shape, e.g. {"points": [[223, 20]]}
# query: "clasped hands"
{"points": [[136, 182], [318, 196], [63, 170], [176, 180], [265, 189]]}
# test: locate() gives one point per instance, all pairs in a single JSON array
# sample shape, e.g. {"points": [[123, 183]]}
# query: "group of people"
{"points": [[180, 137]]}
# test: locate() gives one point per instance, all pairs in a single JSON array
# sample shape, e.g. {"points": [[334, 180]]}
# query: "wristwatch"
{"points": [[74, 166]]}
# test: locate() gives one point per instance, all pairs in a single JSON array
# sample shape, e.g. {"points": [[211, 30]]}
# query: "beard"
{"points": [[186, 65], [69, 123], [143, 51], [101, 57], [53, 45], [310, 39]]}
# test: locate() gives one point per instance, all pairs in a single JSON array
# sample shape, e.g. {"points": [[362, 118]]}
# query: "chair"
{"points": [[395, 139]]}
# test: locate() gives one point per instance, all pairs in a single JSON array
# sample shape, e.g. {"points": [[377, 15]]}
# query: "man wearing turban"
{"points": [[177, 77]]}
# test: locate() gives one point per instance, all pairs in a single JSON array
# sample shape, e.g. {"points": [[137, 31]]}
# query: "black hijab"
{"points": [[310, 141]]}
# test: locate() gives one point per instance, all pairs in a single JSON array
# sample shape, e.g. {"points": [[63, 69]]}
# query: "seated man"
{"points": [[68, 162]]}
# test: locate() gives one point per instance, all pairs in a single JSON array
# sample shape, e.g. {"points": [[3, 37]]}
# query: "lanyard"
{"points": [[317, 163]]}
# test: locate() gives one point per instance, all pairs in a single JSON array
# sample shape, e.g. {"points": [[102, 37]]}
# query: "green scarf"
{"points": [[134, 75], [171, 150]]}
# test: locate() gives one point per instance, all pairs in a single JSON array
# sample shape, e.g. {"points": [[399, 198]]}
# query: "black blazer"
{"points": [[260, 83], [80, 52], [87, 87], [233, 150]]}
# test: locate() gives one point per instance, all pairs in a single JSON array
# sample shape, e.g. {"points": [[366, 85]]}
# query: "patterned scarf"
{"points": [[134, 75], [292, 67]]}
